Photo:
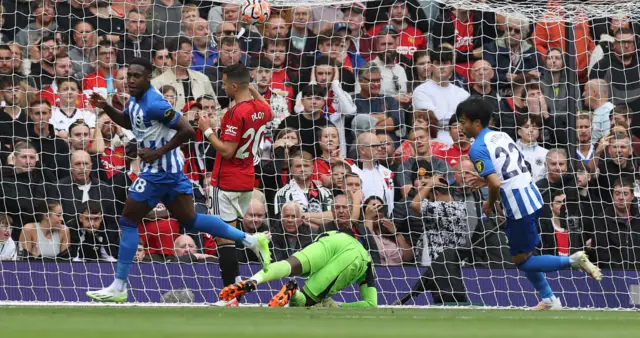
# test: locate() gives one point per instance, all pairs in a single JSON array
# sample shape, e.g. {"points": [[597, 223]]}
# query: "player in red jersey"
{"points": [[232, 181]]}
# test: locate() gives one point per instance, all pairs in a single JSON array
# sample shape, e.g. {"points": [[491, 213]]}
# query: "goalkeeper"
{"points": [[332, 262]]}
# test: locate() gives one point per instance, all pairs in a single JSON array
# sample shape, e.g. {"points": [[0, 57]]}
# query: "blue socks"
{"points": [[128, 248], [545, 263], [539, 283], [216, 227], [534, 267]]}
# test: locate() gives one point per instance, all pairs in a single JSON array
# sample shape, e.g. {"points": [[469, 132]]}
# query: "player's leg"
{"points": [[134, 211]]}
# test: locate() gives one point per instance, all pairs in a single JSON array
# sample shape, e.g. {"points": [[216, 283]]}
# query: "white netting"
{"points": [[392, 74]]}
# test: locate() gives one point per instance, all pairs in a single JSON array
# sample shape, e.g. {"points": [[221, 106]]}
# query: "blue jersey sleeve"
{"points": [[481, 160], [161, 110]]}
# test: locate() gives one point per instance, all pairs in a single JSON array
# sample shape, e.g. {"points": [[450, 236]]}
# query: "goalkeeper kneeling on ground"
{"points": [[332, 262]]}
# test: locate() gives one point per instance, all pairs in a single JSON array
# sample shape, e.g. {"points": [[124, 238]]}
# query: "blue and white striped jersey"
{"points": [[495, 152], [152, 121]]}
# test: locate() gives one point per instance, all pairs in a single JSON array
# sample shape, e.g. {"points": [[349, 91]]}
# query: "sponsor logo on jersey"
{"points": [[231, 130]]}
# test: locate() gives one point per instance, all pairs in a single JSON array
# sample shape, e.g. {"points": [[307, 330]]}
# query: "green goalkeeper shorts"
{"points": [[332, 263]]}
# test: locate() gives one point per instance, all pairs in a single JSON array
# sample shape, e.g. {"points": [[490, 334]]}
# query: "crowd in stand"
{"points": [[364, 99]]}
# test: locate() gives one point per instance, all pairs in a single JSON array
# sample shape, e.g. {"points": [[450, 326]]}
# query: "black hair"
{"points": [[142, 62], [10, 80], [93, 207], [475, 109], [324, 61], [174, 44], [158, 46], [5, 47], [106, 44], [237, 73], [261, 63], [43, 208], [313, 90], [442, 56], [61, 80], [626, 181], [45, 38], [522, 119]]}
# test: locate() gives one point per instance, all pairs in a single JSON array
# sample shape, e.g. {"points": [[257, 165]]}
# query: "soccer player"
{"points": [[334, 261], [160, 130], [497, 159], [232, 181]]}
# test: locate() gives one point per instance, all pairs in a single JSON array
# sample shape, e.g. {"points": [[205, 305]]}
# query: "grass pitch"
{"points": [[138, 322]]}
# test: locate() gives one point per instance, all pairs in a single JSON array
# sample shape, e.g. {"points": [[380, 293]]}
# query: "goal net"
{"points": [[363, 97]]}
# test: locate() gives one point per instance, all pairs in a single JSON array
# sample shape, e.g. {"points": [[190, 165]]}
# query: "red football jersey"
{"points": [[245, 124], [411, 39]]}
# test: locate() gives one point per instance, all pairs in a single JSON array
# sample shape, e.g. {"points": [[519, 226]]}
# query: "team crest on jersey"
{"points": [[479, 166], [231, 130], [539, 161]]}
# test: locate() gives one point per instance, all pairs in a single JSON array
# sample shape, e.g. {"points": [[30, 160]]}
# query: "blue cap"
{"points": [[340, 26]]}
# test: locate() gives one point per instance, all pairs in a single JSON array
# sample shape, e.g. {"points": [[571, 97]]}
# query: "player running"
{"points": [[334, 261], [498, 160], [232, 181], [160, 130]]}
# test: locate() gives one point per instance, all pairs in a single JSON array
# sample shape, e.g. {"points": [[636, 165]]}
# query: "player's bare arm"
{"points": [[184, 133], [225, 148], [493, 183], [116, 116]]}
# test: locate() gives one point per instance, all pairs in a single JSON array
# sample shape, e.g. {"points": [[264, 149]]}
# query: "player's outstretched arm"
{"points": [[184, 132], [116, 116]]}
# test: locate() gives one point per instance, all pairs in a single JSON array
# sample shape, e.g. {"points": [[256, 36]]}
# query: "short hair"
{"points": [[582, 115], [229, 41], [522, 119], [297, 208], [10, 80], [324, 61], [441, 56], [93, 207], [146, 64], [286, 130], [475, 109], [237, 73], [158, 46], [205, 97], [6, 219], [559, 151], [624, 181], [61, 55], [164, 89], [622, 110], [419, 54], [174, 45], [106, 44], [47, 38], [133, 11], [77, 123], [368, 68], [530, 87], [624, 30], [274, 42], [313, 90], [261, 63], [22, 145], [38, 102], [5, 47], [61, 80], [341, 164], [299, 154], [620, 135]]}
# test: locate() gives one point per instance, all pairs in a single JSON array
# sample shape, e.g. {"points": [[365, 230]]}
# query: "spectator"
{"points": [[560, 178], [453, 153], [299, 35], [280, 101], [52, 149], [135, 43], [615, 242], [622, 117], [89, 241], [394, 77], [410, 38], [253, 221], [274, 173], [528, 133], [408, 174], [346, 211], [204, 53], [585, 148], [295, 233], [329, 144], [43, 23], [607, 39], [102, 81], [554, 127], [161, 60], [119, 99], [67, 111], [338, 104], [158, 231], [339, 172], [512, 54], [439, 94], [560, 235], [81, 187], [386, 246], [230, 54], [8, 247], [310, 120], [83, 51], [554, 82], [481, 85], [6, 60], [425, 119], [384, 109], [109, 20], [549, 33], [315, 200], [189, 84], [188, 15], [166, 18], [48, 237], [42, 68], [359, 41], [111, 160], [377, 180], [596, 97], [186, 251], [62, 70], [617, 162], [332, 44], [13, 116], [419, 72], [276, 27], [283, 76], [392, 158]]}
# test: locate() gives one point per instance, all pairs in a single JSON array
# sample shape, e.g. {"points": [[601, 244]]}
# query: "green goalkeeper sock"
{"points": [[277, 270], [298, 299]]}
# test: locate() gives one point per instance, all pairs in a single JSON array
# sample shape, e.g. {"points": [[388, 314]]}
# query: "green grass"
{"points": [[124, 322]]}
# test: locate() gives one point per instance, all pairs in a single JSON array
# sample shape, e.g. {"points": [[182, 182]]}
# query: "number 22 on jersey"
{"points": [[512, 153]]}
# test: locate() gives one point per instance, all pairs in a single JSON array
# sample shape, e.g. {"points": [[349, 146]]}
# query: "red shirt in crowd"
{"points": [[464, 42], [50, 93], [321, 167], [411, 39], [562, 240], [243, 124], [451, 154], [112, 160]]}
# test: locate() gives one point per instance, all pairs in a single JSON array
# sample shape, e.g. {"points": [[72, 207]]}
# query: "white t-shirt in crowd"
{"points": [[443, 101], [61, 121]]}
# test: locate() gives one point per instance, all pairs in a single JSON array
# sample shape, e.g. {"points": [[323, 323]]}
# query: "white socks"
{"points": [[250, 241], [119, 285]]}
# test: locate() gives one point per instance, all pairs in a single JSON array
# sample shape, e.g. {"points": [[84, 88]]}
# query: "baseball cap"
{"points": [[190, 105], [386, 29], [340, 26], [357, 7]]}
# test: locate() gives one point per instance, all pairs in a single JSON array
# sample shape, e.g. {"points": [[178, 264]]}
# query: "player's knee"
{"points": [[520, 258]]}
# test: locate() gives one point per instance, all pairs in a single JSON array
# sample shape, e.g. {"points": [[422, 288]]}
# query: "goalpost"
{"points": [[480, 276]]}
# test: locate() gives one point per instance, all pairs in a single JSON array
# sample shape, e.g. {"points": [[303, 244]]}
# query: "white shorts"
{"points": [[228, 205]]}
